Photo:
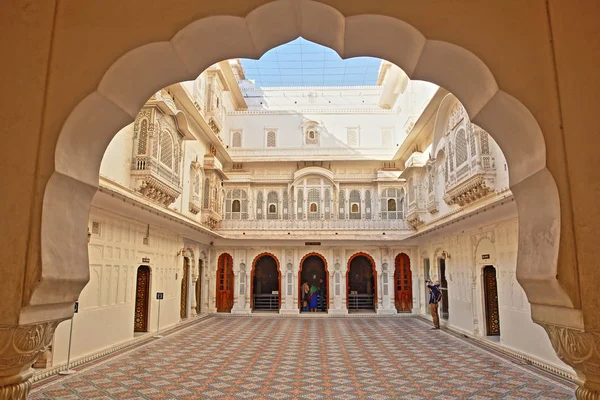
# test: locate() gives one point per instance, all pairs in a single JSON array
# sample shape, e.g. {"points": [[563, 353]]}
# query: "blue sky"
{"points": [[304, 63]]}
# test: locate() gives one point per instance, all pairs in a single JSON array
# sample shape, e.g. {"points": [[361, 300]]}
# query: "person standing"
{"points": [[322, 298], [435, 295]]}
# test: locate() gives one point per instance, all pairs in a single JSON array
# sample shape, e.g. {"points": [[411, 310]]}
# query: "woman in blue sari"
{"points": [[314, 290]]}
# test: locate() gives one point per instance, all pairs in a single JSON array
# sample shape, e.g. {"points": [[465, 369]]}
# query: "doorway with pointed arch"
{"points": [[403, 283], [224, 295], [314, 273], [265, 281], [361, 283]]}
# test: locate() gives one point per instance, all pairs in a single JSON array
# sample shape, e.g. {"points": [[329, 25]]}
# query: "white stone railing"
{"points": [[315, 225]]}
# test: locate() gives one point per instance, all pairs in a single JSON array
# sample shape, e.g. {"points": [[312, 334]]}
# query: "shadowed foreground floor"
{"points": [[306, 358]]}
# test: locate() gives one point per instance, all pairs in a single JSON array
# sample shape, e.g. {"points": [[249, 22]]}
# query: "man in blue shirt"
{"points": [[435, 295]]}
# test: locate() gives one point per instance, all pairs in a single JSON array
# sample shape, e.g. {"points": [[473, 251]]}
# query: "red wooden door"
{"points": [[142, 293], [225, 283], [403, 283]]}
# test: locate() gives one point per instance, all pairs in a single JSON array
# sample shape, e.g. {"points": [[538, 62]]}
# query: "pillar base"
{"points": [[583, 393], [20, 346], [15, 387]]}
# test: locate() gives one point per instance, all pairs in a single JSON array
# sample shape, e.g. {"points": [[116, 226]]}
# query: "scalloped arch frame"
{"points": [[132, 79]]}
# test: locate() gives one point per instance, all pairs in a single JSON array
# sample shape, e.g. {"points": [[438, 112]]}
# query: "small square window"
{"points": [[272, 209], [354, 208]]}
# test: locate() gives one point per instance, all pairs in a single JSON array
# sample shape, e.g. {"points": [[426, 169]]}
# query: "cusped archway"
{"points": [[144, 70]]}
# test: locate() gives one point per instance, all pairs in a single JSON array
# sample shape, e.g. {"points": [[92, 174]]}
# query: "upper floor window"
{"points": [[391, 205], [314, 207], [166, 149], [236, 139], [461, 147], [143, 138], [354, 204], [311, 133], [236, 204], [272, 203], [352, 136], [271, 138]]}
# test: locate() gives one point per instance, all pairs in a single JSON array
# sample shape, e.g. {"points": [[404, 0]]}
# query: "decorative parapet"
{"points": [[469, 190]]}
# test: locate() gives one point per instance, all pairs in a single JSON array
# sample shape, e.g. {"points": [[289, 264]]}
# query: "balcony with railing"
{"points": [[314, 225], [155, 180]]}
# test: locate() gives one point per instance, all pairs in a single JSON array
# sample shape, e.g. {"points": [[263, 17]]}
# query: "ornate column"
{"points": [[580, 350], [20, 346]]}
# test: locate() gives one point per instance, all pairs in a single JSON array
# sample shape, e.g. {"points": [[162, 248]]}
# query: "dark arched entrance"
{"points": [[313, 269], [142, 296], [199, 288], [361, 284], [492, 312], [224, 298], [265, 280], [183, 311], [403, 283]]}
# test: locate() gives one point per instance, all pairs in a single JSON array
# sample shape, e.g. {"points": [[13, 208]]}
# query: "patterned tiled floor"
{"points": [[305, 358]]}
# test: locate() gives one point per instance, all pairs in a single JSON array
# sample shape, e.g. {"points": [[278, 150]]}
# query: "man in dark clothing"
{"points": [[322, 299], [435, 295]]}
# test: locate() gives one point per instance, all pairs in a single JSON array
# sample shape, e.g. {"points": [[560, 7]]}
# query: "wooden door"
{"points": [[199, 289], [183, 311], [225, 283], [403, 284], [491, 301], [142, 294]]}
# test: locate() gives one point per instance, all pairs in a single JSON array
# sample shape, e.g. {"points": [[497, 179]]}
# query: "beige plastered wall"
{"points": [[57, 52]]}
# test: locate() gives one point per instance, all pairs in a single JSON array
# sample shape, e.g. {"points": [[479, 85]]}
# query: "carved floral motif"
{"points": [[579, 349], [20, 346]]}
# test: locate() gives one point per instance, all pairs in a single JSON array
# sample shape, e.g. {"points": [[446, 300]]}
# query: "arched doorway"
{"points": [[266, 283], [198, 291], [142, 296], [361, 284], [224, 298], [403, 283], [492, 312], [445, 304], [313, 270], [183, 311]]}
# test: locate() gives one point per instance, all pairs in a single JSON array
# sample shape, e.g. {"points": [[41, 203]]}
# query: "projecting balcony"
{"points": [[195, 205], [333, 225], [154, 180]]}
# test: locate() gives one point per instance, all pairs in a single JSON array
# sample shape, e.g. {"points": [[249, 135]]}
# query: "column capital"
{"points": [[581, 350], [20, 346]]}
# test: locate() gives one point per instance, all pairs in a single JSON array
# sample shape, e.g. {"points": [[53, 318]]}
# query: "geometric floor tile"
{"points": [[305, 358]]}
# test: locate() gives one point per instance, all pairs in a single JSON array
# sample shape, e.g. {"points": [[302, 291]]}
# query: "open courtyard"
{"points": [[306, 358]]}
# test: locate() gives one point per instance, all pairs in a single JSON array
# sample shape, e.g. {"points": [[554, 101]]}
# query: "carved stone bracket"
{"points": [[580, 350], [20, 346]]}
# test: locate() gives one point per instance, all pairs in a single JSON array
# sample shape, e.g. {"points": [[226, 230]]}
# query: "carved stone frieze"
{"points": [[156, 190], [469, 190], [580, 350], [20, 346]]}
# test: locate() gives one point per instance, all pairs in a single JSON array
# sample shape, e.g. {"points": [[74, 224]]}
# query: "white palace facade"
{"points": [[226, 197]]}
